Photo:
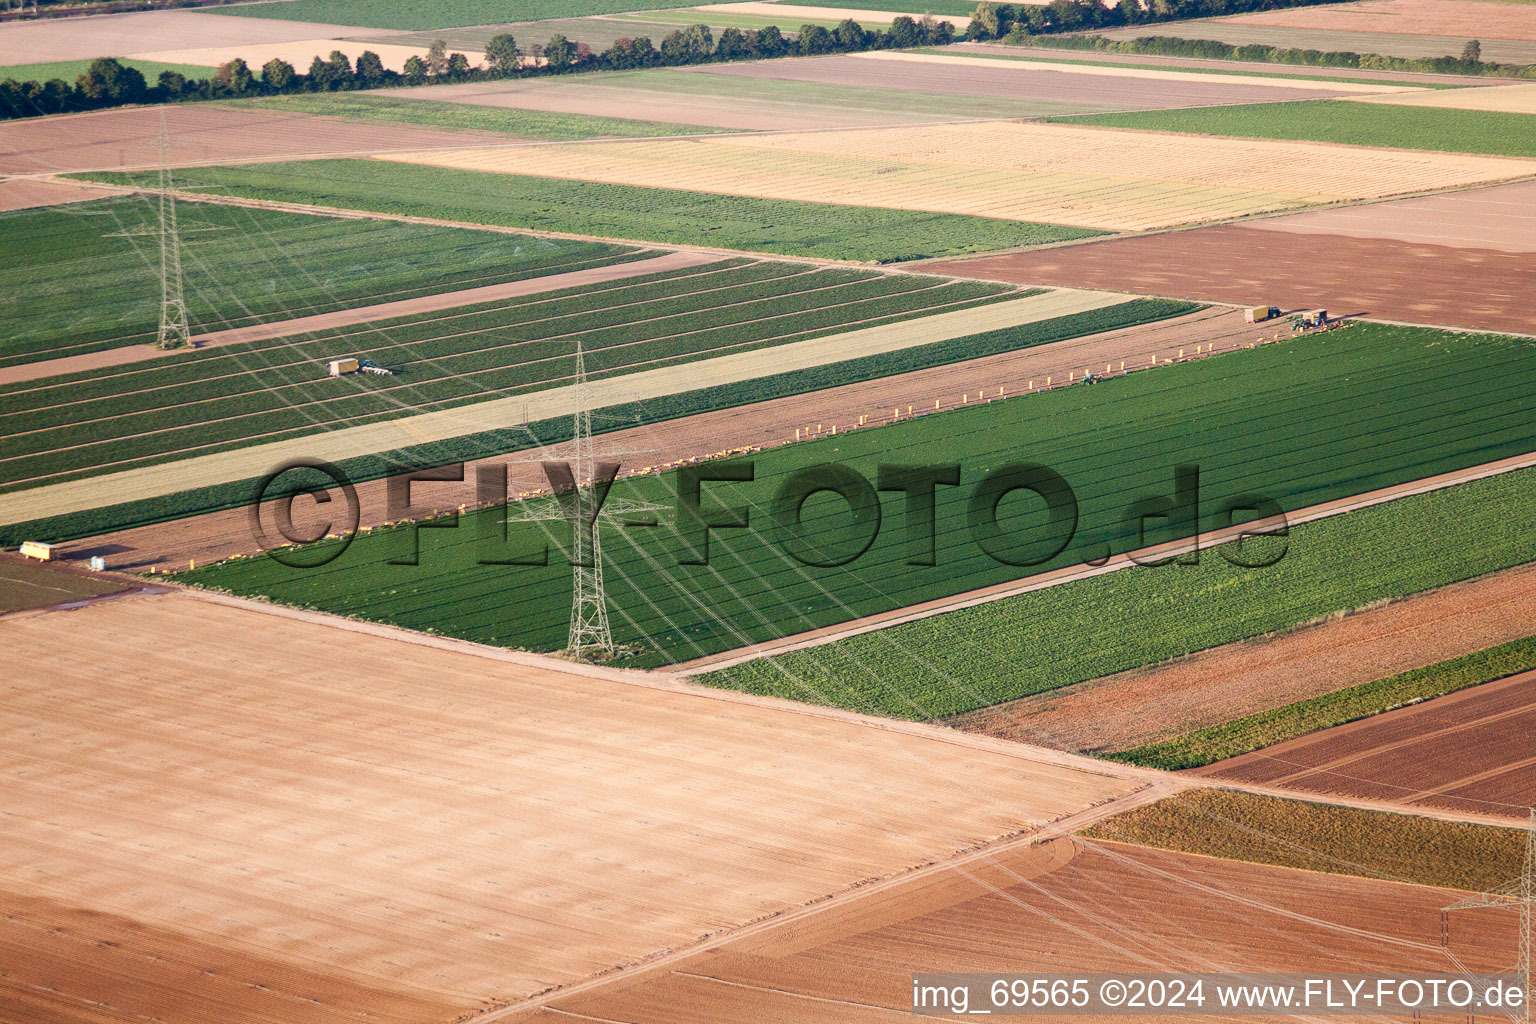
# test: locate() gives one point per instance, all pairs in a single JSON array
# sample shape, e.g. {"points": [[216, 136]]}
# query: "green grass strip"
{"points": [[418, 16], [1492, 133], [1206, 746], [69, 70], [668, 216], [1322, 837], [533, 124]]}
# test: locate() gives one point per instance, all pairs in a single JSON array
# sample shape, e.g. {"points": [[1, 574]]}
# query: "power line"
{"points": [[1518, 893]]}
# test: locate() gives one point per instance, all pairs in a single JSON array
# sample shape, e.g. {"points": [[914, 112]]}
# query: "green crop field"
{"points": [[1279, 72], [1207, 746], [417, 16], [69, 70], [620, 211], [916, 8], [219, 398], [533, 124], [86, 276], [1322, 837], [1033, 643], [1339, 425], [1360, 124]]}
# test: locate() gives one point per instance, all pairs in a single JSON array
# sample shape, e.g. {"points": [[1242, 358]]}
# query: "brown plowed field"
{"points": [[1111, 907], [202, 133], [1012, 81], [218, 535], [1501, 217], [220, 813], [57, 39], [1467, 18], [1391, 280], [26, 193], [1469, 751], [1145, 706]]}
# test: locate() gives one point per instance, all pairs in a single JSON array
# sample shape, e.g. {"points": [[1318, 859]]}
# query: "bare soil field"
{"points": [[1469, 751], [1086, 177], [1509, 99], [1414, 283], [271, 818], [359, 315], [1501, 217], [56, 39], [26, 193], [1065, 906], [129, 138], [219, 535], [1466, 18], [1399, 43], [963, 78], [1152, 705]]}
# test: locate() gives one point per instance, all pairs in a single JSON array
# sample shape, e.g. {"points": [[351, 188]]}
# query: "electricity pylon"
{"points": [[587, 509], [174, 332], [1519, 894]]}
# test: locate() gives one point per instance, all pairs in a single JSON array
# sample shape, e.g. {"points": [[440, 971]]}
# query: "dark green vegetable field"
{"points": [[1300, 423]]}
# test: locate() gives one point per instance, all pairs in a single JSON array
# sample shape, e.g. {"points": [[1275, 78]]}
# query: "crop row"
{"points": [[86, 276], [1206, 746], [1338, 422], [299, 399]]}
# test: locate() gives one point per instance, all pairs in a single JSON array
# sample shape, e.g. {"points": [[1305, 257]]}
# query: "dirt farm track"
{"points": [[1380, 278], [236, 814]]}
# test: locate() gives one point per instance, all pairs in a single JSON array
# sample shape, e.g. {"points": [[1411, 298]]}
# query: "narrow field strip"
{"points": [[1508, 99], [352, 442], [356, 315], [1111, 71]]}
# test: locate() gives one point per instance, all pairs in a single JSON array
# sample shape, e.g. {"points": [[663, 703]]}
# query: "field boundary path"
{"points": [[369, 439], [1056, 577], [661, 263]]}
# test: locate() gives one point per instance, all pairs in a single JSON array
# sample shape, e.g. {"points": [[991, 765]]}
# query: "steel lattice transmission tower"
{"points": [[586, 504], [1516, 894], [174, 332]]}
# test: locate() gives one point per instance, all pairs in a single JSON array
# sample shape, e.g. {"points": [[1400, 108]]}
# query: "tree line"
{"points": [[110, 83]]}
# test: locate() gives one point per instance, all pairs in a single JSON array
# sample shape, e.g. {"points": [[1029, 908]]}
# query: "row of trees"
{"points": [[1469, 63], [1013, 21], [109, 83]]}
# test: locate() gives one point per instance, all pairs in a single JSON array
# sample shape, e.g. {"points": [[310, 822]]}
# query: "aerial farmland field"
{"points": [[520, 510]]}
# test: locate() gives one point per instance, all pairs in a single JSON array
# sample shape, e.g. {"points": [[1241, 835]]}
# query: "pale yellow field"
{"points": [[1088, 177], [255, 817], [1508, 99], [298, 53], [1116, 71]]}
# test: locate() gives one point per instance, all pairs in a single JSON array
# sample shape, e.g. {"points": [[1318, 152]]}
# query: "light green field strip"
{"points": [[352, 442], [1117, 71], [1504, 99]]}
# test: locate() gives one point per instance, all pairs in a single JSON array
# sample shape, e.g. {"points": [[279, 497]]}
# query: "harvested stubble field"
{"points": [[57, 39], [430, 107], [1467, 751], [1087, 906], [206, 401], [1501, 217], [129, 138], [1086, 177], [1509, 99], [693, 425], [1470, 19], [1159, 704], [87, 277], [1322, 837], [1041, 641], [1415, 283], [30, 193], [1428, 127], [364, 826], [1116, 442], [677, 216]]}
